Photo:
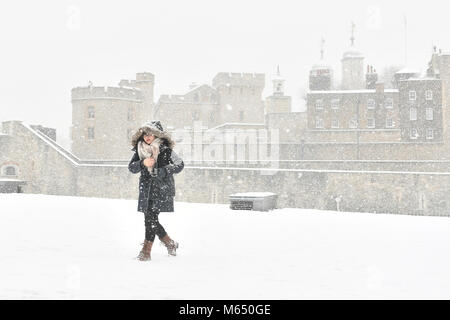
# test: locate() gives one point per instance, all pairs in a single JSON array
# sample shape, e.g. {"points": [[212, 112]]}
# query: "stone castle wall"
{"points": [[53, 170]]}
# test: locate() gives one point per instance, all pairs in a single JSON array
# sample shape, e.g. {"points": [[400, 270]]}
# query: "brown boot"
{"points": [[171, 245], [144, 255]]}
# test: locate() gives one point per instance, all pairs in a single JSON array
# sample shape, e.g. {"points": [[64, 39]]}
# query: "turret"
{"points": [[278, 102], [278, 84], [352, 66], [321, 74]]}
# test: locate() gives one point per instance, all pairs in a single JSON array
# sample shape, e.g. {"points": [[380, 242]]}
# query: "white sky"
{"points": [[49, 47]]}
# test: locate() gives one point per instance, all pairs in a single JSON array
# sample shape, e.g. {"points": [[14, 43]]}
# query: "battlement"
{"points": [[83, 93], [239, 79], [444, 66], [145, 76], [140, 77], [127, 83]]}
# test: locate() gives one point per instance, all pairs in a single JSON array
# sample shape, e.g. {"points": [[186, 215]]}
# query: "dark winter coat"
{"points": [[159, 188]]}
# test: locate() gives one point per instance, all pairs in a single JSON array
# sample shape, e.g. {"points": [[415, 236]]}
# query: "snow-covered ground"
{"points": [[55, 247]]}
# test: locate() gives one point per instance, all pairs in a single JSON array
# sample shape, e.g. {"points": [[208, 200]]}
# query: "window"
{"points": [[390, 123], [430, 133], [319, 123], [353, 123], [370, 104], [371, 123], [10, 171], [319, 104], [429, 94], [131, 114], [279, 87], [413, 134], [429, 113], [389, 103], [413, 114], [91, 112], [241, 115], [242, 90], [196, 98], [412, 95], [335, 104], [335, 123], [91, 133]]}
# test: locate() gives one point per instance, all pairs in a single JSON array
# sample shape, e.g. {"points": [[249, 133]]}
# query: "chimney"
{"points": [[371, 78]]}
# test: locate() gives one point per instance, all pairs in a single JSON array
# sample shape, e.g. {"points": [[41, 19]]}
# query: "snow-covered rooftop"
{"points": [[422, 79], [408, 71], [199, 86], [351, 91], [4, 179], [253, 194], [321, 65], [352, 52]]}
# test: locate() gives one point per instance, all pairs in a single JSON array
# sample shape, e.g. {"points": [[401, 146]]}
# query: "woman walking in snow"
{"points": [[155, 159]]}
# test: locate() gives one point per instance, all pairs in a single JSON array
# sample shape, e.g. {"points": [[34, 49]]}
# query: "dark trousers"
{"points": [[152, 225]]}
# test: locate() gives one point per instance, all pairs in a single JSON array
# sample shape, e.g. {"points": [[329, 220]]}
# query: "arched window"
{"points": [[9, 170]]}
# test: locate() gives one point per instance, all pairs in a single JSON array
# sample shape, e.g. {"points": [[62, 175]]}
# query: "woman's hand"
{"points": [[149, 162]]}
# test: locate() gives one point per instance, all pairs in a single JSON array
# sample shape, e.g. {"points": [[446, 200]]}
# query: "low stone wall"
{"points": [[106, 182], [49, 170], [380, 192], [44, 169]]}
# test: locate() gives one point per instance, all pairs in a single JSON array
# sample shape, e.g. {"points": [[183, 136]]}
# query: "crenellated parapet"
{"points": [[239, 79], [113, 93], [145, 76]]}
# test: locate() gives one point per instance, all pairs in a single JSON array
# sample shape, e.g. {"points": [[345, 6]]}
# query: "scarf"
{"points": [[149, 150]]}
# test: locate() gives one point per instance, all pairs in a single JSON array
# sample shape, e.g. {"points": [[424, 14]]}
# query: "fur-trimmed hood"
{"points": [[153, 127]]}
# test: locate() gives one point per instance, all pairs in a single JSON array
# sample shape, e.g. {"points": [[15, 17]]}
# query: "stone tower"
{"points": [[352, 67], [278, 102], [146, 82], [104, 118], [240, 96]]}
